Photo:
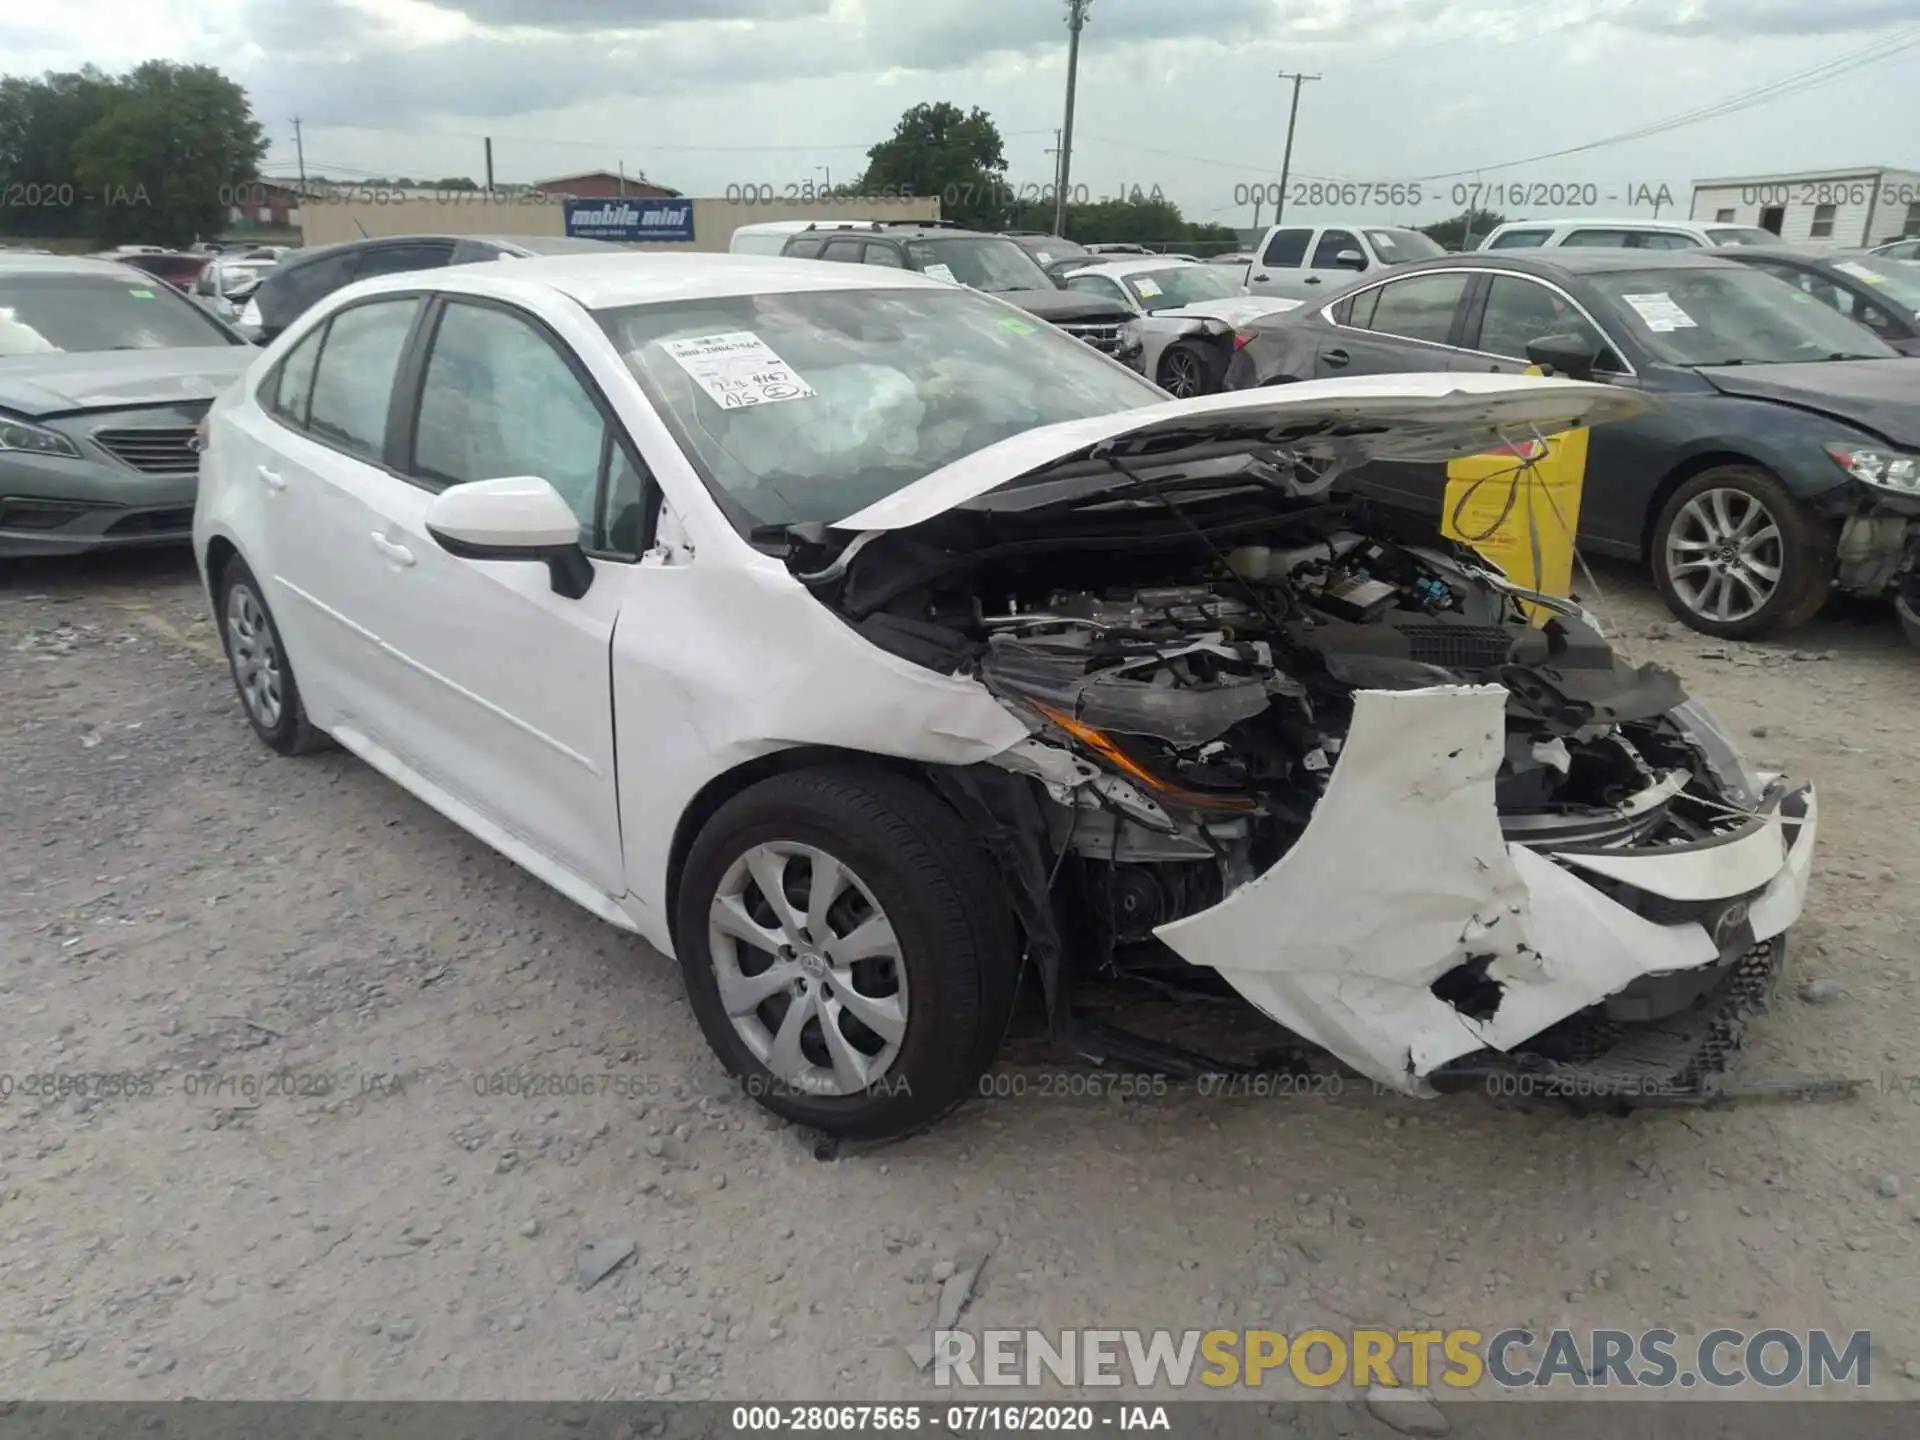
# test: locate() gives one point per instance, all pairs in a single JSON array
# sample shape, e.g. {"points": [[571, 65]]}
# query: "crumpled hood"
{"points": [[1236, 310], [1882, 396], [1416, 417], [51, 384]]}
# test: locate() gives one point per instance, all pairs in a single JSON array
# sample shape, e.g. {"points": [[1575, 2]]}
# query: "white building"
{"points": [[1839, 208]]}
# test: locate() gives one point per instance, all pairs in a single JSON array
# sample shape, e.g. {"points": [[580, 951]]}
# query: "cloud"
{"points": [[1735, 18], [593, 15]]}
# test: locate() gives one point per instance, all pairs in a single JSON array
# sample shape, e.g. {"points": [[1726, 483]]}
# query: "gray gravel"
{"points": [[322, 1180]]}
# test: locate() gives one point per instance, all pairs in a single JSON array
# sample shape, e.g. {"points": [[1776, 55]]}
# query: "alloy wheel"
{"points": [[1724, 555], [809, 969], [256, 659], [1182, 372]]}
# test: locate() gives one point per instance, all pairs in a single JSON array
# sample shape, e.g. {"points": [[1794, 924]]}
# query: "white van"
{"points": [[1624, 234], [769, 237]]}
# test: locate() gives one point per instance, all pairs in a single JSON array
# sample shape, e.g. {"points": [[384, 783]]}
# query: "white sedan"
{"points": [[1189, 316], [864, 644]]}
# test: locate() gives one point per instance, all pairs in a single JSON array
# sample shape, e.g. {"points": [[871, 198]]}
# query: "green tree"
{"points": [[1138, 218], [40, 120], [941, 151], [161, 165], [1454, 233]]}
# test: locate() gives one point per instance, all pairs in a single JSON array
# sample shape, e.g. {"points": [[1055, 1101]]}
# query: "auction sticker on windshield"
{"points": [[939, 272], [1146, 287], [1659, 311], [738, 369]]}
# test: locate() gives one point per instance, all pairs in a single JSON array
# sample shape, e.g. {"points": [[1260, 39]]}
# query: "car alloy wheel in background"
{"points": [[1736, 556]]}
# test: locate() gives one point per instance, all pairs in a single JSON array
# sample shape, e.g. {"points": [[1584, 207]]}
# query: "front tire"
{"points": [[848, 949], [261, 671], [1736, 556], [1188, 370]]}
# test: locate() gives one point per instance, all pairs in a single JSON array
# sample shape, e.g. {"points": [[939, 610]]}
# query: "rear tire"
{"points": [[918, 939], [1736, 556], [262, 673], [1187, 370]]}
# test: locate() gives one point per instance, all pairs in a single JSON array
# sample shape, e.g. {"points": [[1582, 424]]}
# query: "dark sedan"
{"points": [[1784, 457], [1880, 293]]}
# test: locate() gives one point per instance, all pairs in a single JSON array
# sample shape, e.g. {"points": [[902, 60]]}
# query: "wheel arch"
{"points": [[707, 801]]}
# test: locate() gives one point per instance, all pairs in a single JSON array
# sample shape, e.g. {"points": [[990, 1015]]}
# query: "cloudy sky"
{"points": [[1184, 94]]}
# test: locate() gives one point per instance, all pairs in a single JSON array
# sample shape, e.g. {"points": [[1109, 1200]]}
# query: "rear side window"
{"points": [[353, 382], [1665, 240], [1287, 249], [1520, 240], [885, 255], [1601, 239], [293, 385], [845, 251], [807, 249]]}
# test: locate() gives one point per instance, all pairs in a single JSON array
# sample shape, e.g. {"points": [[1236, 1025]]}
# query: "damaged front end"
{"points": [[1345, 775]]}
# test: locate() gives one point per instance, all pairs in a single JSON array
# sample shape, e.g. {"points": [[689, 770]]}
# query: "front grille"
{"points": [[1458, 647], [153, 522], [157, 450], [1103, 337]]}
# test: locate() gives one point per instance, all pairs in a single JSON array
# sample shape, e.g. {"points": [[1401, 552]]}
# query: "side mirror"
{"points": [[1350, 260], [518, 517], [1565, 355]]}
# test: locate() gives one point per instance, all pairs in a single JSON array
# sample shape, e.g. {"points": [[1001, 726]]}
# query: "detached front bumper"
{"points": [[1403, 932]]}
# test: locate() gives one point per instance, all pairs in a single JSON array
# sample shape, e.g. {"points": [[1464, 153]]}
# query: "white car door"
{"points": [[323, 442], [1338, 257], [1277, 269], [502, 694]]}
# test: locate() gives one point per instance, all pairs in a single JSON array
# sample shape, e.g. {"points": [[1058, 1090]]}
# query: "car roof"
{"points": [[1603, 222], [1572, 260], [17, 263], [610, 282]]}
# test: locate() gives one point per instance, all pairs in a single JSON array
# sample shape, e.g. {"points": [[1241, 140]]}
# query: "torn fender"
{"points": [[1402, 876]]}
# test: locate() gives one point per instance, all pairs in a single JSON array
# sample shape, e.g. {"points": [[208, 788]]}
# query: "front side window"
{"points": [[86, 314], [1521, 311], [846, 252], [1420, 307], [1600, 239], [353, 384], [1665, 240], [498, 400], [815, 404], [884, 255], [1333, 244]]}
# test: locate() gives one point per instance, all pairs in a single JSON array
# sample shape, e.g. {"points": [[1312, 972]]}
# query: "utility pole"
{"points": [[300, 150], [1286, 160], [489, 140], [1076, 20]]}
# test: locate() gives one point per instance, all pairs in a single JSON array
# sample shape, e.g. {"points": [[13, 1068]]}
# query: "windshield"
{"points": [[1741, 235], [1182, 285], [813, 405], [41, 314], [1731, 316], [1397, 247], [986, 263]]}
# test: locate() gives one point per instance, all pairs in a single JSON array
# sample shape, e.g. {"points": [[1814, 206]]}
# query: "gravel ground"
{"points": [[353, 1213]]}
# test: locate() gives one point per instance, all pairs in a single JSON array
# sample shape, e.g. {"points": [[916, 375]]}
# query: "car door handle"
{"points": [[1336, 358], [273, 478], [1262, 277], [1313, 279], [399, 554]]}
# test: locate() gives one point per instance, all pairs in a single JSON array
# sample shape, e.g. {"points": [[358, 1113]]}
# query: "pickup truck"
{"points": [[1301, 261]]}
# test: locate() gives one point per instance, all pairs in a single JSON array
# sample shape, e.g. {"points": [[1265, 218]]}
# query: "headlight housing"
{"points": [[25, 439], [1890, 470]]}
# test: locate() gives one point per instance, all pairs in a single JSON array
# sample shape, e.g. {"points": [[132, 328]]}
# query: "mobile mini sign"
{"points": [[629, 220]]}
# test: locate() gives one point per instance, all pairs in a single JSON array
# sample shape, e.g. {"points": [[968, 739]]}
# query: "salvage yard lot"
{"points": [[325, 1176]]}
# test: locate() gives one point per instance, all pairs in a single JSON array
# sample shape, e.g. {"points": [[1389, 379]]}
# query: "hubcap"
{"points": [[1724, 555], [256, 660], [809, 969], [1183, 375]]}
